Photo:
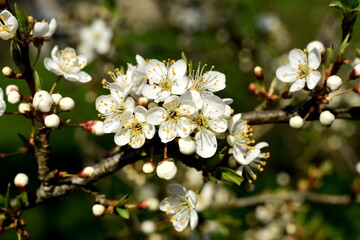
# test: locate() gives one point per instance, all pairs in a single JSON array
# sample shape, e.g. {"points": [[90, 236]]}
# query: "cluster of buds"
{"points": [[166, 169]]}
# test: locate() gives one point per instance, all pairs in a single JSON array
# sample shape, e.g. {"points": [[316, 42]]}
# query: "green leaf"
{"points": [[122, 201], [22, 18], [350, 3], [7, 197], [123, 212], [22, 199], [344, 44], [338, 5], [183, 56], [38, 81], [15, 52], [227, 175], [329, 56]]}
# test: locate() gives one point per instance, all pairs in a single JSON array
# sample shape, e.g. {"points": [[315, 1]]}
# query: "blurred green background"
{"points": [[234, 36]]}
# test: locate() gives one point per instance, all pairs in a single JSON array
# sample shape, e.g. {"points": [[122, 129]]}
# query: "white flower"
{"points": [[208, 82], [8, 25], [209, 120], [95, 38], [14, 97], [166, 169], [296, 122], [98, 210], [138, 75], [52, 121], [301, 69], [253, 160], [42, 101], [173, 118], [326, 118], [123, 80], [316, 44], [66, 63], [21, 180], [165, 80], [44, 29], [238, 138], [135, 129], [182, 206], [24, 107], [334, 82], [2, 103], [66, 104], [186, 145], [113, 106]]}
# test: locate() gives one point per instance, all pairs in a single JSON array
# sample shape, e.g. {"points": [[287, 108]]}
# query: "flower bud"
{"points": [[316, 44], [98, 210], [143, 101], [334, 82], [166, 169], [24, 107], [253, 88], [148, 167], [148, 227], [21, 180], [52, 121], [31, 21], [296, 122], [56, 97], [87, 172], [10, 88], [42, 101], [259, 73], [355, 73], [143, 205], [94, 126], [14, 97], [8, 72], [187, 145], [66, 104], [326, 118]]}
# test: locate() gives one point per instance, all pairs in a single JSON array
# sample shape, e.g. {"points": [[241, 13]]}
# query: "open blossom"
{"points": [[8, 25], [2, 103], [209, 120], [173, 118], [301, 69], [66, 63], [165, 80], [182, 206], [208, 82], [135, 129], [95, 38], [44, 29], [138, 75], [113, 106], [254, 160]]}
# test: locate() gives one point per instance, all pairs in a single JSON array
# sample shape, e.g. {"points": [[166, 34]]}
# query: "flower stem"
{"points": [[54, 85]]}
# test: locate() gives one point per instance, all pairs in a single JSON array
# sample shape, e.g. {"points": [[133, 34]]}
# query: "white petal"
{"points": [[297, 85], [169, 203], [251, 155], [140, 113], [167, 131], [193, 219], [151, 91], [156, 115], [149, 131], [193, 198], [206, 143], [314, 59], [137, 141], [213, 106], [286, 73], [171, 102], [296, 57], [215, 81], [239, 155], [81, 76], [111, 124], [236, 119], [180, 86], [122, 137], [177, 70], [193, 96], [218, 126], [52, 66], [185, 127], [313, 79], [261, 145], [163, 95], [155, 70], [177, 189], [181, 221]]}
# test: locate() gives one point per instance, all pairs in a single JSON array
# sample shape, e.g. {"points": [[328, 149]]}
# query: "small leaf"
{"points": [[15, 52], [344, 44], [122, 201], [123, 212], [22, 18], [183, 56], [228, 175], [7, 197], [38, 81], [329, 56], [22, 199], [338, 5]]}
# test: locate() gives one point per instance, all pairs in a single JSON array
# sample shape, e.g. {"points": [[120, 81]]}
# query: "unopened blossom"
{"points": [[95, 39], [66, 104], [94, 126], [187, 145], [166, 169], [111, 107], [173, 118], [209, 120], [10, 88], [87, 172], [182, 206], [334, 82], [301, 69], [24, 107], [42, 101], [67, 64], [296, 122], [165, 79], [148, 167], [44, 29], [135, 129], [56, 97], [98, 210], [52, 121], [8, 25], [21, 180], [254, 160], [14, 97], [326, 118]]}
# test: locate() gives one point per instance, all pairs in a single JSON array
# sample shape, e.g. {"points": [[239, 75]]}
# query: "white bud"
{"points": [[11, 88], [296, 122], [24, 107], [21, 180], [42, 101], [148, 227], [98, 210], [148, 167], [95, 127], [52, 121], [7, 71], [334, 82], [187, 145], [14, 97], [166, 169], [315, 44], [356, 70], [56, 97], [326, 118], [87, 172], [66, 104]]}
